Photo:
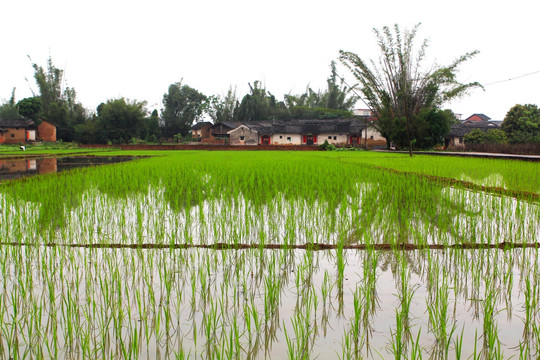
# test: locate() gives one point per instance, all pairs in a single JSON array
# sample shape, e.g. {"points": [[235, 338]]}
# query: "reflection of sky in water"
{"points": [[301, 274], [148, 218], [493, 180]]}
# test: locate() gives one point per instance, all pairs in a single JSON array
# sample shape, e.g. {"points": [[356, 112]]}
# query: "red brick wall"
{"points": [[46, 131], [14, 135]]}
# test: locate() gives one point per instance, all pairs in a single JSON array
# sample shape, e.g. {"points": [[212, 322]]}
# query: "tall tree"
{"points": [[8, 110], [183, 106], [122, 120], [259, 104], [224, 108], [397, 88], [337, 95], [58, 105], [30, 108], [522, 124]]}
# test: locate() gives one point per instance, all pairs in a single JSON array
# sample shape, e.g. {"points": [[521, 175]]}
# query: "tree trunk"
{"points": [[409, 137]]}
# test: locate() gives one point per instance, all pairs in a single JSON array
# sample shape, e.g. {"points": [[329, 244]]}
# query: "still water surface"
{"points": [[17, 168]]}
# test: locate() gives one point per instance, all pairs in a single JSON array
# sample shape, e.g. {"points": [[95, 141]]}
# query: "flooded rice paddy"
{"points": [[270, 255], [15, 168]]}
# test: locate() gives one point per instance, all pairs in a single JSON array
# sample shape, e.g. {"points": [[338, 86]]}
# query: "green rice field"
{"points": [[272, 255]]}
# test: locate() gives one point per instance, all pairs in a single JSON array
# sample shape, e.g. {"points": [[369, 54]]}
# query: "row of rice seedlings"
{"points": [[233, 203], [158, 282], [128, 303]]}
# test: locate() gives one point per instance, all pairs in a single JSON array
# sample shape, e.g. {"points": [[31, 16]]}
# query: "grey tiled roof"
{"points": [[16, 123], [459, 130], [200, 125], [313, 126]]}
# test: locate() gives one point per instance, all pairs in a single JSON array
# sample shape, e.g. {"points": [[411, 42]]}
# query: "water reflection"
{"points": [[17, 168]]}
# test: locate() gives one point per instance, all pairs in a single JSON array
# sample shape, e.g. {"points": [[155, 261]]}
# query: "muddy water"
{"points": [[16, 168]]}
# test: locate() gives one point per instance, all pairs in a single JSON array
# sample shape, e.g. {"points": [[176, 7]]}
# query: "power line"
{"points": [[514, 78]]}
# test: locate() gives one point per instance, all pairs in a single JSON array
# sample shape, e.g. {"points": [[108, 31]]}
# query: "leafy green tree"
{"points": [[122, 120], [183, 106], [522, 124], [334, 102], [30, 108], [58, 106], [397, 89], [259, 104], [153, 132], [224, 108], [8, 110], [475, 137], [496, 136], [306, 112], [492, 136]]}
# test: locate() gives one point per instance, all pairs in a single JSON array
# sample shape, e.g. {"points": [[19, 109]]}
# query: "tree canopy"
{"points": [[8, 110], [120, 120], [398, 89], [183, 106], [58, 105], [30, 108], [522, 124]]}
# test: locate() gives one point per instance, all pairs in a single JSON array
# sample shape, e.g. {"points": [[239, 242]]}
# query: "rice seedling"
{"points": [[271, 254]]}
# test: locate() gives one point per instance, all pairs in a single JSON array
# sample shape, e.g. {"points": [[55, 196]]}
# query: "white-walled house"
{"points": [[339, 132], [243, 135]]}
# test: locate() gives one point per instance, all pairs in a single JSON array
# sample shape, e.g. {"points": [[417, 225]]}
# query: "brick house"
{"points": [[14, 131], [201, 130]]}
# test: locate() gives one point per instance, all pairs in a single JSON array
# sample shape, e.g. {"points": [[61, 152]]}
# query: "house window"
{"points": [[371, 137], [460, 140], [335, 137], [241, 138], [281, 136], [12, 135], [329, 138], [289, 138]]}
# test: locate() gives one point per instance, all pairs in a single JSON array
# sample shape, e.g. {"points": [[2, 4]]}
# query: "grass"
{"points": [[265, 300]]}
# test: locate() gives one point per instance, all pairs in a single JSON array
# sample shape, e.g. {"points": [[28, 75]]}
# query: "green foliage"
{"points": [[496, 136], [30, 108], [304, 112], [492, 136], [337, 96], [183, 106], [475, 137], [398, 90], [177, 138], [522, 124], [224, 108], [8, 110], [58, 106], [260, 104], [122, 120], [327, 146]]}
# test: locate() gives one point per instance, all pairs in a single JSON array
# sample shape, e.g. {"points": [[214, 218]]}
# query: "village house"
{"points": [[218, 133], [372, 137], [14, 131], [201, 130], [243, 135], [298, 132], [455, 139]]}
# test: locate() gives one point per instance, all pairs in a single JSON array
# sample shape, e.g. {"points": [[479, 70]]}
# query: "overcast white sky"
{"points": [[136, 49]]}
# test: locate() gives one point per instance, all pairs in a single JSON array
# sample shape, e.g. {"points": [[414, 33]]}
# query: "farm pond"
{"points": [[254, 255]]}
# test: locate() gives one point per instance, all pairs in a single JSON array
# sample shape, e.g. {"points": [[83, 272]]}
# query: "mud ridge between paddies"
{"points": [[522, 195], [312, 246]]}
